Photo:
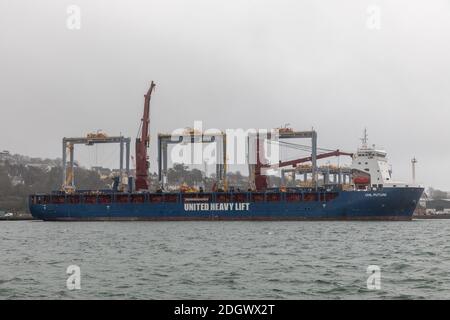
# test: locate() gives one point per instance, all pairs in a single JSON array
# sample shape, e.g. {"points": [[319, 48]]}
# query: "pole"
{"points": [[314, 158], [413, 163], [127, 155], [64, 162], [72, 158], [224, 146], [121, 157]]}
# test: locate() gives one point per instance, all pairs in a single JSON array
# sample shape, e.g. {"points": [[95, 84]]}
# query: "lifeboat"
{"points": [[361, 180]]}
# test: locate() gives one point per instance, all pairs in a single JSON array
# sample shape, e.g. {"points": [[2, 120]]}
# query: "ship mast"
{"points": [[365, 139], [142, 143]]}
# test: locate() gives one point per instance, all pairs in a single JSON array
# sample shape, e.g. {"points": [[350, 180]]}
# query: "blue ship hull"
{"points": [[386, 204]]}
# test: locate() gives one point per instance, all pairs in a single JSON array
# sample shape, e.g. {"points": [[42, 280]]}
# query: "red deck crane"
{"points": [[295, 162], [142, 143], [260, 179]]}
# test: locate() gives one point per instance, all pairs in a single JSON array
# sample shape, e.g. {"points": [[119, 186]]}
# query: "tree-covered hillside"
{"points": [[17, 181]]}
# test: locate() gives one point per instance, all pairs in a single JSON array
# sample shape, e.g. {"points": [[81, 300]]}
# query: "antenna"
{"points": [[365, 138]]}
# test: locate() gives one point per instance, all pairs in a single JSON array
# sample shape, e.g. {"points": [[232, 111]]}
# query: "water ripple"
{"points": [[225, 260]]}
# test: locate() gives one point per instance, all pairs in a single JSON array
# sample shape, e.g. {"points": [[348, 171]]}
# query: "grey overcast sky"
{"points": [[232, 64]]}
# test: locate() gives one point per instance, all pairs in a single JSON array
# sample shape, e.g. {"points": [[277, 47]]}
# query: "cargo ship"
{"points": [[365, 191]]}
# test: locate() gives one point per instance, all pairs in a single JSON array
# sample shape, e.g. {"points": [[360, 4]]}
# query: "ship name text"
{"points": [[238, 206]]}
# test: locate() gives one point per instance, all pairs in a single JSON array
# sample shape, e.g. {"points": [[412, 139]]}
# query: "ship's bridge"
{"points": [[374, 163]]}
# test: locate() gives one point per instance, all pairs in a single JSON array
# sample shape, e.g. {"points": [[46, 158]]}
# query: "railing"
{"points": [[321, 196]]}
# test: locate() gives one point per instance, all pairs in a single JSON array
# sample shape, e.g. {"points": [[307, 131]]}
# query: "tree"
{"points": [[5, 183], [39, 180], [437, 194]]}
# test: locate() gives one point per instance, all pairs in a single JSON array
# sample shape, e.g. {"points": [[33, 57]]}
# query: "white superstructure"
{"points": [[374, 162]]}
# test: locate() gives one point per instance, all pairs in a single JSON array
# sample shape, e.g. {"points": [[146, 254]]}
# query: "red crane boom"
{"points": [[261, 181], [142, 143], [281, 164]]}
